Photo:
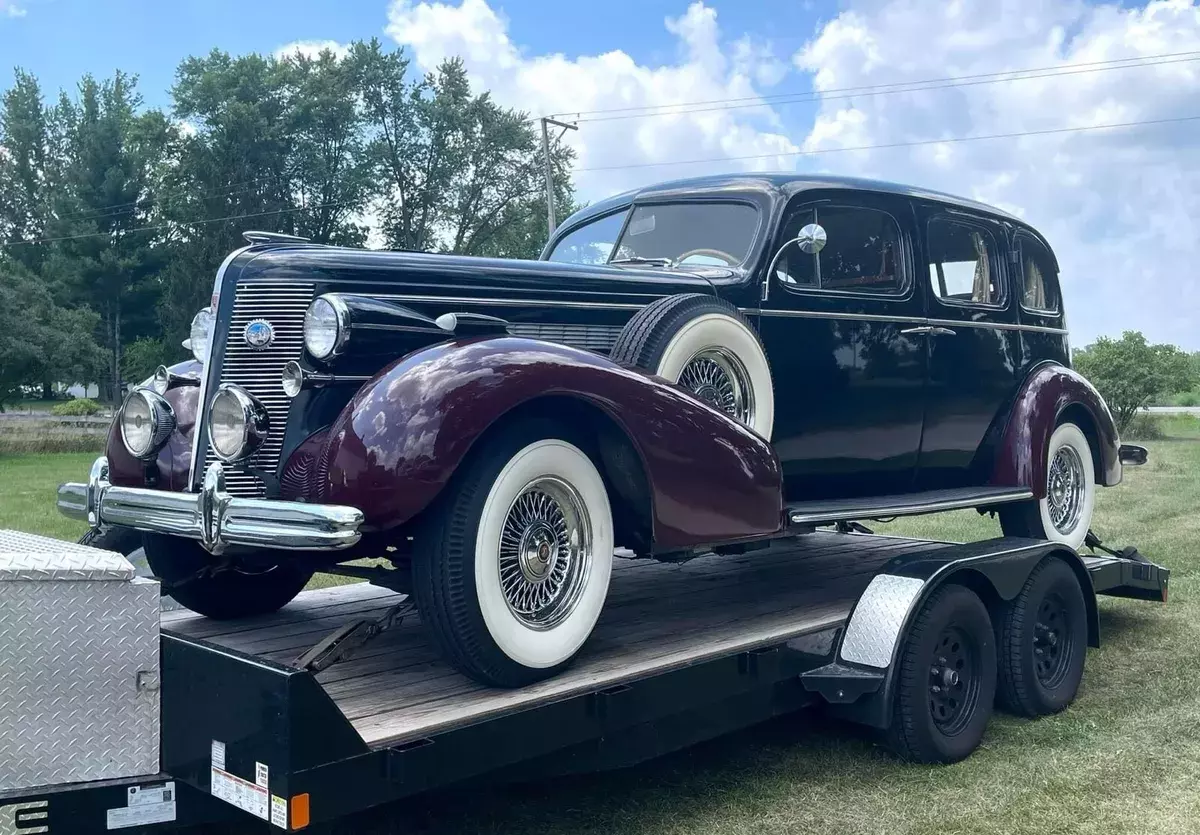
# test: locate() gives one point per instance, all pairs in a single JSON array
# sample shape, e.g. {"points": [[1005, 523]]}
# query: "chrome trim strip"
{"points": [[206, 368], [212, 516], [915, 509], [882, 317], [514, 302]]}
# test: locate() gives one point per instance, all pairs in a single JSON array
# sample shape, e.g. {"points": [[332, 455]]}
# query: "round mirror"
{"points": [[811, 239]]}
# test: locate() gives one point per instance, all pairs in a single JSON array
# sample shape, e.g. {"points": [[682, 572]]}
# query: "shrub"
{"points": [[81, 407], [1144, 427], [1130, 372]]}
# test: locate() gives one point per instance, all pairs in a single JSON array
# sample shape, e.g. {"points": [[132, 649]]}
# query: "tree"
{"points": [[24, 170], [1129, 372]]}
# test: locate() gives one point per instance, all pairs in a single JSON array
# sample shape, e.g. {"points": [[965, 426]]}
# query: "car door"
{"points": [[849, 381], [974, 346]]}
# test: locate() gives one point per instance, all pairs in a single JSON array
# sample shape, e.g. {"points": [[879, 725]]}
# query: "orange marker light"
{"points": [[300, 814]]}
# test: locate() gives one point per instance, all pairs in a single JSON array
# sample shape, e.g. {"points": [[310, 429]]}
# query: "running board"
{"points": [[904, 504]]}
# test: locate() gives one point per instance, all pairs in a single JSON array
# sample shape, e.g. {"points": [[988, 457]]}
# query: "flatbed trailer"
{"points": [[684, 652]]}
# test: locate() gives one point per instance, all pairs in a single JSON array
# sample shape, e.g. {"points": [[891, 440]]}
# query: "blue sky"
{"points": [[1118, 205]]}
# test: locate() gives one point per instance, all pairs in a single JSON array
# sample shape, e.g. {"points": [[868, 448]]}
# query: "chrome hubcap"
{"points": [[1064, 489], [545, 552], [719, 379]]}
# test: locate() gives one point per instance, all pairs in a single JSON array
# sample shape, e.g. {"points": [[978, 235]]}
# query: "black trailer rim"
{"points": [[954, 681], [1053, 641]]}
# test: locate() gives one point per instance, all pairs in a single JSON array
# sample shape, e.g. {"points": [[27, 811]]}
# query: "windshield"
{"points": [[697, 234]]}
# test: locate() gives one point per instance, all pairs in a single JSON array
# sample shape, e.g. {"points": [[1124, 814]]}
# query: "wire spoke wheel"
{"points": [[1066, 483], [718, 378], [545, 552], [953, 681]]}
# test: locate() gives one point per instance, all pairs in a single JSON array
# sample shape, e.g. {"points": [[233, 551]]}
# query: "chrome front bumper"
{"points": [[211, 516]]}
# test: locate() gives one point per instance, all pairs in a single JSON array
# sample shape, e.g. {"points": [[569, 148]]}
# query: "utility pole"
{"points": [[551, 221]]}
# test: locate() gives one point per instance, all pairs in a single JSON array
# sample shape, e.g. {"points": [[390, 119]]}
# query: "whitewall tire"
{"points": [[515, 573], [706, 346], [1064, 514]]}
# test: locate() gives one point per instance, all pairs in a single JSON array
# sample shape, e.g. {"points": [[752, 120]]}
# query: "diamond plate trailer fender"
{"points": [[859, 678]]}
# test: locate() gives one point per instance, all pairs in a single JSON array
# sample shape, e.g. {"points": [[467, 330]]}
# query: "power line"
{"points": [[684, 108], [122, 208], [884, 146], [176, 223]]}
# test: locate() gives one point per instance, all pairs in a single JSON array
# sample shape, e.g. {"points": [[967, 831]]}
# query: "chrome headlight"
{"points": [[147, 421], [201, 334], [237, 424], [326, 327]]}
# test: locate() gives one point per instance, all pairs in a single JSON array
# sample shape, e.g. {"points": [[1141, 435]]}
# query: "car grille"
{"points": [[260, 371], [599, 338]]}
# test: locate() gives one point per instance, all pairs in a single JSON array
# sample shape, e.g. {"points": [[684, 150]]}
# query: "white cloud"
{"points": [[1118, 206], [10, 8], [706, 67], [310, 49]]}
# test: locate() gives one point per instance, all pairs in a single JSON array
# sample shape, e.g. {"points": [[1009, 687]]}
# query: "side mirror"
{"points": [[812, 239]]}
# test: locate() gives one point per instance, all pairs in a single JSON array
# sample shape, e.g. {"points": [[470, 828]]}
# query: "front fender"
{"points": [[399, 441], [170, 470], [1049, 391]]}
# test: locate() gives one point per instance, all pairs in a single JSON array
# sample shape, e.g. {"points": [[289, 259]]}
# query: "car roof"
{"points": [[781, 183]]}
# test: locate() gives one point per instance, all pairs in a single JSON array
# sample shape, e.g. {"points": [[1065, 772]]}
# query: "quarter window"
{"points": [[963, 263], [1039, 277], [862, 252]]}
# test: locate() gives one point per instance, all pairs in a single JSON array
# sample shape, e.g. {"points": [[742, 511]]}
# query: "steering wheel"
{"points": [[710, 253]]}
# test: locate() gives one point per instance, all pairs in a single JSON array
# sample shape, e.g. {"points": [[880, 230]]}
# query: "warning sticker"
{"points": [[218, 755], [261, 775], [279, 811], [241, 793], [146, 805]]}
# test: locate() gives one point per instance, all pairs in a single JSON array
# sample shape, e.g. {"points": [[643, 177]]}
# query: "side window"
{"points": [[963, 263], [1039, 276], [591, 243], [862, 252]]}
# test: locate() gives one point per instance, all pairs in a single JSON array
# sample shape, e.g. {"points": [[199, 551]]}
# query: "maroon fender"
{"points": [[1052, 393], [175, 459], [395, 446]]}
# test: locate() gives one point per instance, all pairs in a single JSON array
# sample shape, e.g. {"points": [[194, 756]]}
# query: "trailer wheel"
{"points": [[706, 346], [123, 541], [1043, 642], [1065, 514], [225, 595], [946, 679], [511, 571]]}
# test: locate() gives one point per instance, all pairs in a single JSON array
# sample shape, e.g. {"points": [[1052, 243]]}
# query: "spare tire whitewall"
{"points": [[704, 345], [543, 554]]}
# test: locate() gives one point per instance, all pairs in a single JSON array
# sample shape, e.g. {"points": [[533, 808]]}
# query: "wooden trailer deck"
{"points": [[659, 616]]}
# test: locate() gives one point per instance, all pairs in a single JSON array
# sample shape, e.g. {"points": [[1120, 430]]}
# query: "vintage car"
{"points": [[699, 366]]}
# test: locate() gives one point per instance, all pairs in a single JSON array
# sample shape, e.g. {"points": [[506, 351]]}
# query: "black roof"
{"points": [[781, 183]]}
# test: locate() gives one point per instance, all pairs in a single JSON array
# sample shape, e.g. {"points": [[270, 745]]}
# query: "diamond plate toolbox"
{"points": [[79, 673]]}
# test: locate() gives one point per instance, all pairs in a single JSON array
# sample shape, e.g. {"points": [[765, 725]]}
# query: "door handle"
{"points": [[927, 329]]}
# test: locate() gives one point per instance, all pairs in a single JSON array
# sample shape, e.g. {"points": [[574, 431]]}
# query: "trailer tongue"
{"points": [[683, 653]]}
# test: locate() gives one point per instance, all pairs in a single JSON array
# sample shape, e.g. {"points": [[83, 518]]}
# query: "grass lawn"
{"points": [[1124, 759]]}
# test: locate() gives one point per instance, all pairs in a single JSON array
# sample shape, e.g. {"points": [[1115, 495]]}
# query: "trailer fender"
{"points": [[1051, 394], [860, 678], [395, 446]]}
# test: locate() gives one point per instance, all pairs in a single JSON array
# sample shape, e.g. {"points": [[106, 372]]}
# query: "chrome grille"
{"points": [[259, 371], [589, 337]]}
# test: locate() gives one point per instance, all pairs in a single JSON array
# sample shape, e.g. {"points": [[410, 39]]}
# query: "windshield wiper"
{"points": [[658, 262]]}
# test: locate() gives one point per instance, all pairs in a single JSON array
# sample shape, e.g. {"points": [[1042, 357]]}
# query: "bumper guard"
{"points": [[211, 516]]}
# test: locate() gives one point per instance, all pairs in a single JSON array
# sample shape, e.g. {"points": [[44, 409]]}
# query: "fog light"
{"points": [[147, 421], [237, 424], [293, 379]]}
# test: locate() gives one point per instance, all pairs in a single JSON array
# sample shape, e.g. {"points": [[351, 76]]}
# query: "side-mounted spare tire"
{"points": [[704, 345]]}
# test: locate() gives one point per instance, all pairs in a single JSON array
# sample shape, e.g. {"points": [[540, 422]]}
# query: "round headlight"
{"points": [[202, 325], [147, 421], [237, 424], [326, 327], [293, 379]]}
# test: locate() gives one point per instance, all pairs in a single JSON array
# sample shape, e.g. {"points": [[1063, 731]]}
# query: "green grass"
{"points": [[1124, 759]]}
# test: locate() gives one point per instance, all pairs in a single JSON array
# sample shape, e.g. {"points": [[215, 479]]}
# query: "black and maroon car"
{"points": [[703, 365]]}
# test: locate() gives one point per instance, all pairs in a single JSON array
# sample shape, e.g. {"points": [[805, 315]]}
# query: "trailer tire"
{"points": [[123, 541], [1043, 642], [950, 646], [511, 570], [227, 594], [704, 345]]}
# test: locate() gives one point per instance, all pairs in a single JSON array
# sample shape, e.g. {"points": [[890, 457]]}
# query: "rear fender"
{"points": [[1052, 393], [397, 444]]}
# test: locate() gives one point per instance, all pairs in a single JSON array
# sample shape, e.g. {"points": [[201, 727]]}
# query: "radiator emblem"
{"points": [[259, 334]]}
